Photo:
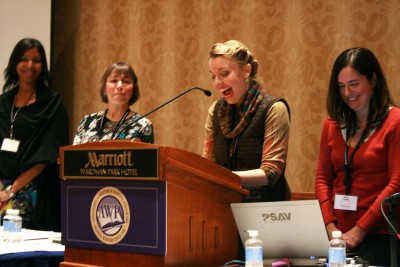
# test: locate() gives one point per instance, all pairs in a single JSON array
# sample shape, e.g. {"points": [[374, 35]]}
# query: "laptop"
{"points": [[288, 229]]}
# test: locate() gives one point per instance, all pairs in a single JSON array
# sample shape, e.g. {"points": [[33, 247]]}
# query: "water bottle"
{"points": [[6, 223], [253, 250], [337, 250], [12, 226]]}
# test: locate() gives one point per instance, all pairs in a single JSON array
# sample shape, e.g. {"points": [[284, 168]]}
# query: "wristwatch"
{"points": [[9, 192]]}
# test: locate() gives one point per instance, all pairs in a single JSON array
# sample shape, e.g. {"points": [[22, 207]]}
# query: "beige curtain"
{"points": [[167, 42]]}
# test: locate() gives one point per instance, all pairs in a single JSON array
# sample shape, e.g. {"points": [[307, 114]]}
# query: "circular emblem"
{"points": [[110, 215]]}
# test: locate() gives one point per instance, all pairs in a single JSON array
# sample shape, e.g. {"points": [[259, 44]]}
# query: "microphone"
{"points": [[205, 91], [392, 199]]}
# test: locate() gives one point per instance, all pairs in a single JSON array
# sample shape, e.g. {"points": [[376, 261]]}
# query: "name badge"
{"points": [[10, 145], [344, 202]]}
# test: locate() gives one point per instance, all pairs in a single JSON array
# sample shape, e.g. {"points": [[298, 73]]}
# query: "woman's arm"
{"points": [[324, 180], [208, 148], [25, 178], [373, 217], [275, 147]]}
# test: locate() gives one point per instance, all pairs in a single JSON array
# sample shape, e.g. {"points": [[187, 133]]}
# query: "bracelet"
{"points": [[9, 192]]}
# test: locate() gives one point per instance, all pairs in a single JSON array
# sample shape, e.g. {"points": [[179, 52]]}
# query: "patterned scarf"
{"points": [[247, 110]]}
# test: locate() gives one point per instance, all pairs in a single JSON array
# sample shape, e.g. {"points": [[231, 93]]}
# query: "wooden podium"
{"points": [[195, 218]]}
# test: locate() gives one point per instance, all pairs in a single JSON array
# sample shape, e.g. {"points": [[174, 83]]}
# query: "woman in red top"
{"points": [[359, 158]]}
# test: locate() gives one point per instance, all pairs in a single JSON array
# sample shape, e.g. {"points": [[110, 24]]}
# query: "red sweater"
{"points": [[375, 173]]}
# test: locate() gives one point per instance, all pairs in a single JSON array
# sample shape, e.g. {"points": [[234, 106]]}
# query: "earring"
{"points": [[246, 80]]}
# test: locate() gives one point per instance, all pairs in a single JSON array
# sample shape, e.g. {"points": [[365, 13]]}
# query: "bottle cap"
{"points": [[336, 234], [253, 233], [12, 212]]}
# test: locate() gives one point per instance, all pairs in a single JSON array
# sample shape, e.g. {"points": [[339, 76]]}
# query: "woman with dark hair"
{"points": [[119, 90], [33, 126], [359, 159]]}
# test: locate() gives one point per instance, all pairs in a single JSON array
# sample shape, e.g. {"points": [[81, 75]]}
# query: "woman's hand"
{"points": [[252, 178], [354, 237], [4, 197], [330, 227]]}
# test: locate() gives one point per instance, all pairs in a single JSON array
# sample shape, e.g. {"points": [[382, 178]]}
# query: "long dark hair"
{"points": [[10, 73], [364, 62]]}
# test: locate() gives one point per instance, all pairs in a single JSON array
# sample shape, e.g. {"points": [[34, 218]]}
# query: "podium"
{"points": [[127, 203]]}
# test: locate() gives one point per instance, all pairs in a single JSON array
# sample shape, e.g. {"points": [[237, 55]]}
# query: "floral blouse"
{"points": [[96, 127]]}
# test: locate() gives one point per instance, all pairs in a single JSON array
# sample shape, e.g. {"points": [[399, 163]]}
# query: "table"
{"points": [[37, 249]]}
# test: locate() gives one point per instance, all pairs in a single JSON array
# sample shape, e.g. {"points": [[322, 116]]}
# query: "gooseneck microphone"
{"points": [[205, 91]]}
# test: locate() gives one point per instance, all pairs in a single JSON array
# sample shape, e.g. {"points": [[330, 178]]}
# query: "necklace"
{"points": [[115, 127], [13, 116]]}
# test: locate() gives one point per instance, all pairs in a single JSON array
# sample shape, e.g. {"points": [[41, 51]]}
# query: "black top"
{"points": [[41, 128]]}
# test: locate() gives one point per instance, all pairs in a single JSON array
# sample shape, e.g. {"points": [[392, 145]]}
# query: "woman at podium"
{"points": [[119, 90], [247, 130]]}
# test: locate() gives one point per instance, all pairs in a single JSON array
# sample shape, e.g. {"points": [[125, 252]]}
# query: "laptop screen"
{"points": [[288, 229]]}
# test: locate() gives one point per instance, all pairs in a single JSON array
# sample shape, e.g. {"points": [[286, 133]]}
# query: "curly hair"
{"points": [[237, 51]]}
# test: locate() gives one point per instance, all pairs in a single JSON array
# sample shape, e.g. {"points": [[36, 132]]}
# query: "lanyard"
{"points": [[116, 127], [13, 116], [232, 152], [347, 178], [233, 144]]}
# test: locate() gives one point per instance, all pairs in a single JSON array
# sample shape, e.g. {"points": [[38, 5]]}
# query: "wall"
{"points": [[167, 42]]}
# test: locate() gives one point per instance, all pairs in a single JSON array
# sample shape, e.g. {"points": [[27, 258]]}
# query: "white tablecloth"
{"points": [[32, 241]]}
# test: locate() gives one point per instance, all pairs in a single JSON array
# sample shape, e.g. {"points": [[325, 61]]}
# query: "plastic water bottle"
{"points": [[253, 250], [12, 226], [6, 223], [337, 250]]}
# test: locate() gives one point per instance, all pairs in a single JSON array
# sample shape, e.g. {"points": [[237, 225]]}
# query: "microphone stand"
{"points": [[393, 235], [205, 91], [392, 223]]}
